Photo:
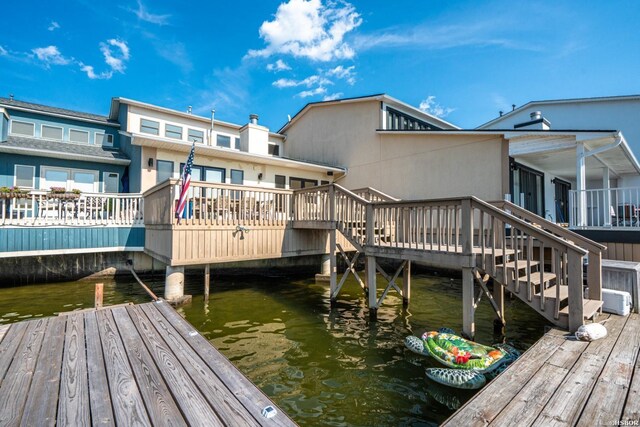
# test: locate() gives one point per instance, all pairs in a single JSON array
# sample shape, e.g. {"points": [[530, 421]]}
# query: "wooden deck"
{"points": [[123, 365], [560, 381]]}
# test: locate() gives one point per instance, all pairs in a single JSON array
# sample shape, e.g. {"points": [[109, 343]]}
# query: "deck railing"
{"points": [[40, 208], [614, 208], [218, 204]]}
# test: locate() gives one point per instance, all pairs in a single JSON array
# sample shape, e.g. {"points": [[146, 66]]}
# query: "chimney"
{"points": [[11, 96], [189, 109], [536, 122], [254, 138], [253, 119]]}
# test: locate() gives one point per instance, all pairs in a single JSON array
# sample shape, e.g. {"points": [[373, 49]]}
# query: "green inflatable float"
{"points": [[472, 363]]}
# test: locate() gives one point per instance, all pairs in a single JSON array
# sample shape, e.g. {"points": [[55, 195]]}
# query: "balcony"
{"points": [[610, 209]]}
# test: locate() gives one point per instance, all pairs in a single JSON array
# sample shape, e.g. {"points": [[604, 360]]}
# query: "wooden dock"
{"points": [[122, 365], [560, 381]]}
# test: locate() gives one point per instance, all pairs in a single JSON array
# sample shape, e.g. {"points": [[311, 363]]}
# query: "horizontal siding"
{"points": [[60, 238]]}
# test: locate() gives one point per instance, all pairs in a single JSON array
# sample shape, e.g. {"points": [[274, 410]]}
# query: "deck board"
{"points": [[578, 383], [125, 365]]}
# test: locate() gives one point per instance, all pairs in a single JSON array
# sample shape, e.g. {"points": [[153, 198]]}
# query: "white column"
{"points": [[606, 196], [581, 185], [174, 283]]}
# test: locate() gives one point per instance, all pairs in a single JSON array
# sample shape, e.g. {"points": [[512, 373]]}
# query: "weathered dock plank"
{"points": [[3, 331], [17, 380], [42, 402], [126, 365]]}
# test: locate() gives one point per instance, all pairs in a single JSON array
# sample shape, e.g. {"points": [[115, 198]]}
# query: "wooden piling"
{"points": [[406, 284], [207, 276], [99, 294]]}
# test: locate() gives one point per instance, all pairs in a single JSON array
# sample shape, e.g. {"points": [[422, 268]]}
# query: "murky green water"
{"points": [[321, 366]]}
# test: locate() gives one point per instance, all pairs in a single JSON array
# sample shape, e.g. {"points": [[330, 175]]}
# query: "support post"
{"points": [[333, 266], [325, 265], [581, 185], [468, 310], [594, 275], [371, 281], [207, 277], [99, 295], [498, 297], [174, 283], [576, 304], [366, 275], [406, 284], [606, 209]]}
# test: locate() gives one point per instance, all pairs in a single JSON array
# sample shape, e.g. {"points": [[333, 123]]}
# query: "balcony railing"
{"points": [[40, 208], [614, 208]]}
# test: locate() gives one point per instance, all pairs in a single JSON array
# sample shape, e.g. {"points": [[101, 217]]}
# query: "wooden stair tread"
{"points": [[535, 277], [590, 307], [521, 264], [550, 292]]}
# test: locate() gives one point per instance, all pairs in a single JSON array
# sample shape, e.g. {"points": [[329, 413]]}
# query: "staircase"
{"points": [[534, 259]]}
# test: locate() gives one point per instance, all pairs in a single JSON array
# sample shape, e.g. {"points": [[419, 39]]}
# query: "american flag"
{"points": [[186, 181]]}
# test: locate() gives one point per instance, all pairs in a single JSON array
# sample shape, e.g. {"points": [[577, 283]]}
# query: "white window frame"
{"points": [[33, 175], [69, 186], [79, 130], [23, 122], [104, 181], [107, 140], [43, 125]]}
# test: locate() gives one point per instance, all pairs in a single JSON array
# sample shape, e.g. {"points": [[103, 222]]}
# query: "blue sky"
{"points": [[461, 60]]}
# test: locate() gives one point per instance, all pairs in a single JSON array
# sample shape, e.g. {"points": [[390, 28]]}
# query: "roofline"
{"points": [[375, 97], [60, 155], [493, 131], [64, 116], [255, 158], [559, 101], [121, 100], [627, 151]]}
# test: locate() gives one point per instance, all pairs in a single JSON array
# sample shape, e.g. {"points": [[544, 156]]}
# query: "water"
{"points": [[321, 366]]}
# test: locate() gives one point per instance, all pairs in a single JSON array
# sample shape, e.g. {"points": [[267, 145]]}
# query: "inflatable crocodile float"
{"points": [[472, 363]]}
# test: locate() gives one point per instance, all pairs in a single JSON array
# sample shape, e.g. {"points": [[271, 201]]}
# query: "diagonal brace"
{"points": [[391, 280], [351, 268]]}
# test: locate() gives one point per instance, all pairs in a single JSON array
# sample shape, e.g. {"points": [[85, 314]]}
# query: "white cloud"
{"points": [[50, 55], [333, 96], [3, 51], [117, 63], [430, 106], [308, 82], [309, 29], [144, 15], [91, 73], [343, 73], [53, 26], [279, 65], [317, 91]]}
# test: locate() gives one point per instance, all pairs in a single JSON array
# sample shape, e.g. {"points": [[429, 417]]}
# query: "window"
{"points": [[80, 136], [274, 150], [297, 183], [237, 176], [164, 170], [171, 131], [111, 182], [324, 182], [22, 128], [24, 176], [527, 187], [149, 126], [51, 132], [195, 135], [223, 141], [214, 175], [400, 121], [69, 179], [281, 181], [103, 139], [237, 143]]}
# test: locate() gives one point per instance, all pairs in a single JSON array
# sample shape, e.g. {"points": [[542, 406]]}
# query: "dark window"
{"points": [[527, 188], [237, 176], [149, 126], [223, 141], [281, 181], [324, 182], [196, 135], [274, 150], [237, 143], [171, 131], [164, 170], [297, 183], [400, 121]]}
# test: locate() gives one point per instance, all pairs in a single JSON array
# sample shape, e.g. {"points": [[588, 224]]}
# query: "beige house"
{"points": [[158, 141], [388, 145]]}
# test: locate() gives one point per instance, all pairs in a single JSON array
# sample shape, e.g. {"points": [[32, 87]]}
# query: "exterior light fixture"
{"points": [[150, 162]]}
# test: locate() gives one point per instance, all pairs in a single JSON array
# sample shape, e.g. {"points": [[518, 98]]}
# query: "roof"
{"points": [[62, 150], [560, 101], [377, 97], [60, 112], [116, 101]]}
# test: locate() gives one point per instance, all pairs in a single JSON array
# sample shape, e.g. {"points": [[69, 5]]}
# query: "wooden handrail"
{"points": [[380, 194]]}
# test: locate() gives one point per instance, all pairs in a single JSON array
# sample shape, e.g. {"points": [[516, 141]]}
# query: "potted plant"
{"points": [[62, 193], [13, 193]]}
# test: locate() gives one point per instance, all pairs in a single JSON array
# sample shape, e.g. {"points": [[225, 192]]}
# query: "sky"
{"points": [[463, 61]]}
